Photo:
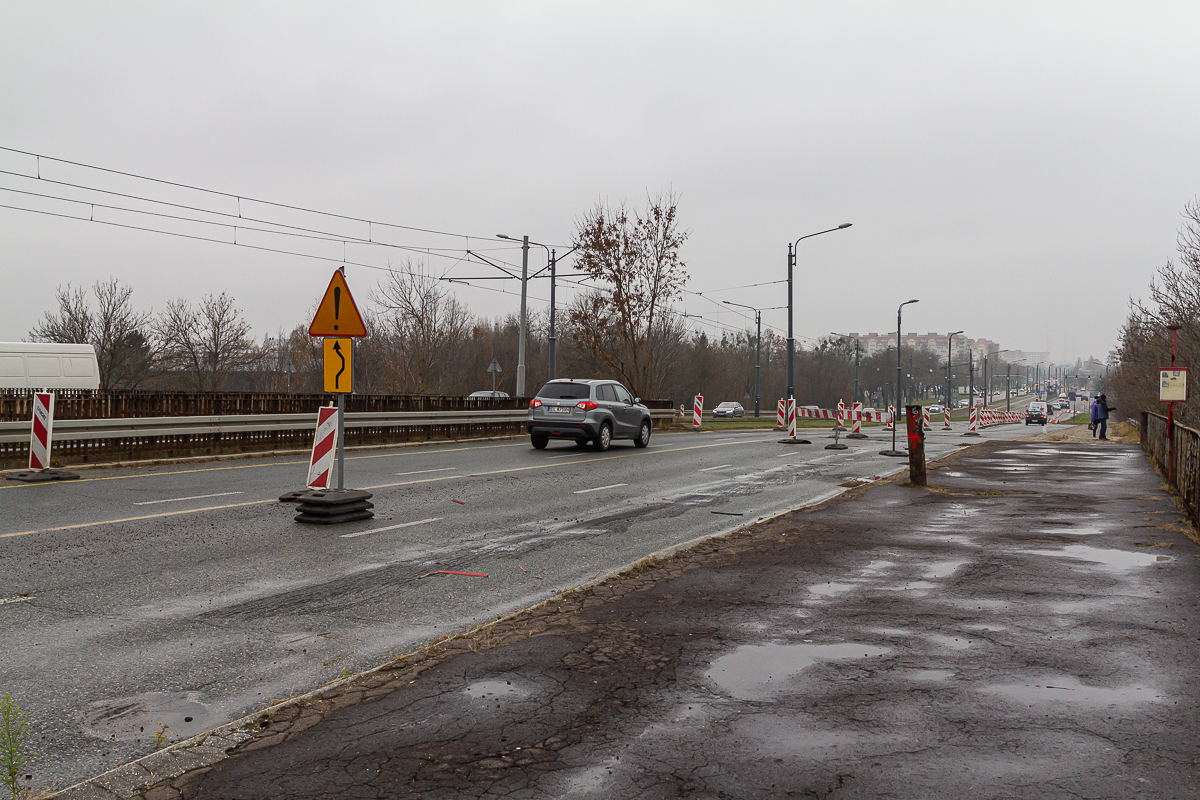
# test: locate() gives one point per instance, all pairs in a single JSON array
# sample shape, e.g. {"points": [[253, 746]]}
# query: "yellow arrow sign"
{"points": [[337, 314], [339, 366]]}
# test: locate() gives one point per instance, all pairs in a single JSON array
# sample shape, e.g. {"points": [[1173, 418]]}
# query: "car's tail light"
{"points": [[586, 405], [535, 403]]}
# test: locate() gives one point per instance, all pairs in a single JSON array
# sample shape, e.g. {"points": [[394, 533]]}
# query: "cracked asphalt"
{"points": [[1026, 628]]}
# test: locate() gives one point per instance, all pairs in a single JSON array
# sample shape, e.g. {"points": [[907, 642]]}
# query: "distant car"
{"points": [[962, 403], [936, 409], [729, 410], [595, 411], [1036, 413], [488, 393]]}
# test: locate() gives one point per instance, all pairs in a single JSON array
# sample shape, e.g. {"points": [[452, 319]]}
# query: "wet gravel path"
{"points": [[1026, 629]]}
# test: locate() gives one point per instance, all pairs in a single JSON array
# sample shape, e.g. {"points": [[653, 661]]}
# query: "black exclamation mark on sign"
{"points": [[337, 304]]}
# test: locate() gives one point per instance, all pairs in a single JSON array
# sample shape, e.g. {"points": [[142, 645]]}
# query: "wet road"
{"points": [[1027, 629], [185, 596]]}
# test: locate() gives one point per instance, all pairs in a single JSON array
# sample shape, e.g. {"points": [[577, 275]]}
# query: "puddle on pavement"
{"points": [[142, 716], [890, 631], [986, 628], [944, 569], [931, 675], [482, 690], [1065, 689], [1080, 530], [753, 670], [829, 589], [1114, 559], [910, 586], [876, 567], [949, 642]]}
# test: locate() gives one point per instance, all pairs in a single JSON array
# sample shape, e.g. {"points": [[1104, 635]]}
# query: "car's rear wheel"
{"points": [[604, 438], [540, 442], [643, 437]]}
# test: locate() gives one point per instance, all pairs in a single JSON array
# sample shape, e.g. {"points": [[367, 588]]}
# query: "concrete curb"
{"points": [[128, 780]]}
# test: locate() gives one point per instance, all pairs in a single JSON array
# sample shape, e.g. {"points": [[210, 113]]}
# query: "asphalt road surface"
{"points": [[170, 600]]}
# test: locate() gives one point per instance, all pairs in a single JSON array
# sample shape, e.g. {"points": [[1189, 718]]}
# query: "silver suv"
{"points": [[587, 411]]}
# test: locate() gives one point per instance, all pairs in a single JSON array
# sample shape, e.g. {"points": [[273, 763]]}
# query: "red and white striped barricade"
{"points": [[856, 419], [781, 414], [697, 410], [321, 464], [925, 423], [791, 412], [841, 414], [973, 426], [43, 430], [891, 418], [946, 419]]}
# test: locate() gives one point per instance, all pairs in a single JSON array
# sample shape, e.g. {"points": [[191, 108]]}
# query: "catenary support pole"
{"points": [[524, 318]]}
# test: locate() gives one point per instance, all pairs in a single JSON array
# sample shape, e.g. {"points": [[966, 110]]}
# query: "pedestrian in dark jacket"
{"points": [[1100, 409]]}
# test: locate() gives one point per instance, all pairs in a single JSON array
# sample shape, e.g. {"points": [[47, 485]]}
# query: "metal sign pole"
{"points": [[341, 441]]}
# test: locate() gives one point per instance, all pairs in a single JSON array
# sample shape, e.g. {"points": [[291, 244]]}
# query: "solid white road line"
{"points": [[181, 499], [598, 488], [15, 600], [721, 466], [390, 527], [423, 471]]}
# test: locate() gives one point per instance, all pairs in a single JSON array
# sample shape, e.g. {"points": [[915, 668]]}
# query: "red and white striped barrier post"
{"points": [[946, 419], [841, 415], [781, 415], [925, 423], [856, 425], [891, 420], [697, 410], [973, 427], [791, 409], [43, 428], [321, 463]]}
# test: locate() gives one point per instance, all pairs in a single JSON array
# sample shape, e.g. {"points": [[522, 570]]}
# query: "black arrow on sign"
{"points": [[337, 348]]}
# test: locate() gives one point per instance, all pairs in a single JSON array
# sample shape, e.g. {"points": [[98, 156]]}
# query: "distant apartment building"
{"points": [[935, 342]]}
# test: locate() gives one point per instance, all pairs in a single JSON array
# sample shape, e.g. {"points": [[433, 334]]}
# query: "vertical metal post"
{"points": [[899, 395], [856, 343], [553, 370], [341, 441], [970, 378], [949, 379], [791, 342], [757, 357], [1008, 388], [524, 324]]}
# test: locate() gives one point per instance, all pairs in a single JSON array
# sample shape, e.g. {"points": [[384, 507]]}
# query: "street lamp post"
{"points": [[949, 378], [899, 384], [791, 341]]}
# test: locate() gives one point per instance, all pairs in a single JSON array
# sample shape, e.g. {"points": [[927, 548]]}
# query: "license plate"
{"points": [[559, 410]]}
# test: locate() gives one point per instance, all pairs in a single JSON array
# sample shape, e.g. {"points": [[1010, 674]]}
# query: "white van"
{"points": [[32, 365]]}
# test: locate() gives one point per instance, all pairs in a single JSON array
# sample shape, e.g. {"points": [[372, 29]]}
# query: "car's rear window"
{"points": [[565, 391], [727, 405]]}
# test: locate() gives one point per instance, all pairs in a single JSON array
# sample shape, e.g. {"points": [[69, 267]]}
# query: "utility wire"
{"points": [[40, 157]]}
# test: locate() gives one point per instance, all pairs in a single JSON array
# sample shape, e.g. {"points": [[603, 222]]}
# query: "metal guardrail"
{"points": [[88, 440], [1180, 463]]}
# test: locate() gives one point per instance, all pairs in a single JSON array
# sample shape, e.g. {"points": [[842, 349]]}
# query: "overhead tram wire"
{"points": [[229, 195], [217, 241], [293, 230]]}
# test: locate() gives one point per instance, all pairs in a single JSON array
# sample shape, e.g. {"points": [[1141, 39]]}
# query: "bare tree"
{"points": [[113, 328], [426, 322], [207, 343], [627, 324]]}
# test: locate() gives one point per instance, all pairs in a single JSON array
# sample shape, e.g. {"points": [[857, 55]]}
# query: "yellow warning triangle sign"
{"points": [[337, 315]]}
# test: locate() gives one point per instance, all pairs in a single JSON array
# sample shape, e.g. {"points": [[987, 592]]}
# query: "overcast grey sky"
{"points": [[1020, 167]]}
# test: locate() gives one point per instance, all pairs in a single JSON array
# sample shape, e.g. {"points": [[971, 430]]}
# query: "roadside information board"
{"points": [[1172, 385], [339, 365]]}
